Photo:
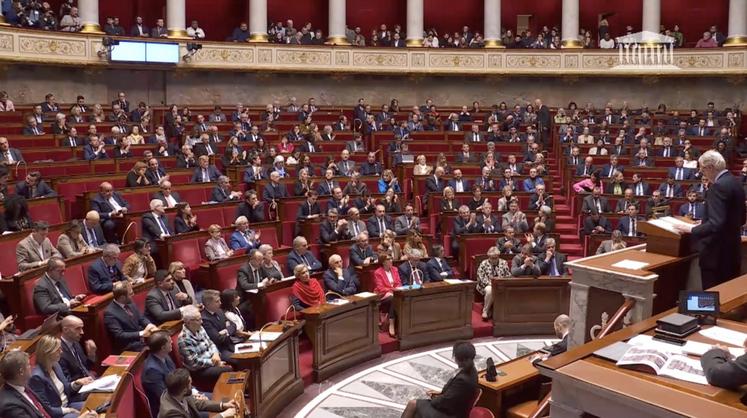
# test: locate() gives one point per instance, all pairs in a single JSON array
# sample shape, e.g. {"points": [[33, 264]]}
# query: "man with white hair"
{"points": [[552, 262], [155, 224], [199, 354], [361, 253], [718, 236], [413, 271], [339, 280], [274, 190], [169, 198], [244, 238], [222, 191], [301, 255]]}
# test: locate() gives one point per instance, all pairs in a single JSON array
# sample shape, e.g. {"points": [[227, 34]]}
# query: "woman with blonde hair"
{"points": [[390, 246], [178, 273], [71, 242], [216, 247], [58, 396], [135, 137], [97, 115], [136, 177], [421, 166], [414, 240]]}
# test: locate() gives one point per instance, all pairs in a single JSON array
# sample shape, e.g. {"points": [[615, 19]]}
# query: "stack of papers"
{"points": [[106, 383], [365, 294], [694, 348], [454, 281], [725, 335], [668, 223], [338, 301], [266, 336], [630, 264]]}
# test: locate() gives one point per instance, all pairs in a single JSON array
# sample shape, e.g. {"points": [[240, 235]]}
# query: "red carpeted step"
{"points": [[568, 238], [565, 219], [305, 362], [388, 344]]}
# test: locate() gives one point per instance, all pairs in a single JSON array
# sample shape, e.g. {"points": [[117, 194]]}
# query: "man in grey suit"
{"points": [[51, 294], [525, 264], [177, 401], [170, 199], [361, 253], [407, 221], [163, 301], [355, 225], [723, 370], [9, 155], [36, 249], [552, 262]]}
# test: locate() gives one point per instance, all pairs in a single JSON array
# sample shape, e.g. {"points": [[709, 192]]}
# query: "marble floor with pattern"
{"points": [[383, 390]]}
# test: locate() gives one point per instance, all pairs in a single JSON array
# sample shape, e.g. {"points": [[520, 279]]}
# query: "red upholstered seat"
{"points": [[193, 196], [139, 201], [141, 401], [31, 319], [277, 303], [188, 251], [75, 277], [55, 154], [49, 211], [210, 216], [225, 277], [8, 265], [480, 412], [124, 405], [269, 236]]}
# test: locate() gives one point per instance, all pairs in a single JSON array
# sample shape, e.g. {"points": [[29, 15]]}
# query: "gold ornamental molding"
{"points": [[83, 51]]}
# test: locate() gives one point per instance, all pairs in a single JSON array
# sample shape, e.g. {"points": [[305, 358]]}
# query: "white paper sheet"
{"points": [[724, 335], [630, 264], [106, 383], [365, 294], [694, 348], [267, 336], [338, 301], [454, 281]]}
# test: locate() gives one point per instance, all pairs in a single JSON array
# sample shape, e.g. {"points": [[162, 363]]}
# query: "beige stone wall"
{"points": [[28, 84]]}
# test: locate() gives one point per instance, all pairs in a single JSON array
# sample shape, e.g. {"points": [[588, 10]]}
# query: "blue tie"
{"points": [[163, 226]]}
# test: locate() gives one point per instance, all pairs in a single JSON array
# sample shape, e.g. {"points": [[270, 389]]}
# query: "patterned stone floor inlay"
{"points": [[383, 390]]}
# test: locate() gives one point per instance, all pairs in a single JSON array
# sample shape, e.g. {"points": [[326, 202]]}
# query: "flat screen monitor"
{"points": [[128, 51], [699, 303], [162, 53]]}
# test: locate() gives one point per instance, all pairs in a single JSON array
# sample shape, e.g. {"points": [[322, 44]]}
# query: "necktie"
{"points": [[598, 205], [91, 237], [62, 290], [170, 302], [129, 311], [74, 350], [381, 228], [553, 267], [669, 191], [209, 149], [164, 230], [72, 141], [416, 279], [666, 152], [355, 229], [305, 261], [639, 189], [36, 403], [632, 227], [257, 278]]}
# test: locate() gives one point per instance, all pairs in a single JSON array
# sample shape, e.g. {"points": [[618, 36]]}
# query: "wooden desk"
{"points": [[274, 374], [584, 384], [225, 391], [343, 335], [520, 384], [434, 313], [124, 391], [528, 306]]}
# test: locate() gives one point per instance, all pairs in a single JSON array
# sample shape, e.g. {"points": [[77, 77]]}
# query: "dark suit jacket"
{"points": [[698, 209], [294, 259], [42, 190], [100, 281], [269, 192], [589, 225], [465, 184], [718, 238], [151, 175], [123, 328], [47, 300], [588, 204], [559, 259], [347, 286], [607, 168], [245, 280], [159, 196], [687, 173], [372, 225], [358, 254], [431, 186], [580, 170], [104, 208], [215, 323], [45, 391], [13, 404], [219, 195], [90, 154], [720, 370], [212, 172], [434, 270], [256, 214], [623, 225], [153, 380], [405, 272], [456, 397], [325, 189], [677, 190], [183, 162], [328, 234], [151, 230], [304, 210], [157, 307], [559, 347], [73, 368], [98, 239]]}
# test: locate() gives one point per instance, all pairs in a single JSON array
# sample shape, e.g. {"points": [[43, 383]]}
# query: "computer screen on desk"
{"points": [[699, 302]]}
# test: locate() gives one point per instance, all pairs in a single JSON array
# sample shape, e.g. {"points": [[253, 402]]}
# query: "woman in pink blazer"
{"points": [[387, 279]]}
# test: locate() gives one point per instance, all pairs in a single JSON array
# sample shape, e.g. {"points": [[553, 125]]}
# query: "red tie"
{"points": [[36, 403]]}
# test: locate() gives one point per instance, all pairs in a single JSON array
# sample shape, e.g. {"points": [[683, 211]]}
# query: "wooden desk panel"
{"points": [[234, 391], [434, 313], [521, 383], [654, 261], [528, 306], [124, 391], [343, 335]]}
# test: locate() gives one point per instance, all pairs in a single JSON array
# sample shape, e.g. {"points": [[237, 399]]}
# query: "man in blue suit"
{"points": [[679, 172], [361, 253], [244, 238], [301, 255], [458, 183], [413, 271], [34, 187], [670, 189], [379, 223], [91, 230], [204, 172], [692, 208], [157, 366], [628, 224], [95, 150], [126, 326], [104, 272], [340, 280], [111, 207], [76, 361], [155, 224], [437, 267]]}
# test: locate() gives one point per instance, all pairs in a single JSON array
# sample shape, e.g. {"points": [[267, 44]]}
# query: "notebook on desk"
{"points": [[613, 352]]}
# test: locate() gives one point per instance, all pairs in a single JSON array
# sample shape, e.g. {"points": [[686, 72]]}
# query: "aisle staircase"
{"points": [[565, 223]]}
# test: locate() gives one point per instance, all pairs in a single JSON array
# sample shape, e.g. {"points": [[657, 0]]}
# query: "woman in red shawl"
{"points": [[306, 292]]}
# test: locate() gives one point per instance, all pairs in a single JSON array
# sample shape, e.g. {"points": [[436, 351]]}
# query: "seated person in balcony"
{"points": [[139, 265], [692, 208], [670, 189], [32, 128], [111, 208], [492, 266], [127, 327], [525, 263], [274, 190], [241, 33], [306, 291], [342, 281], [36, 249], [509, 244], [104, 272], [413, 271], [628, 199], [361, 253], [216, 247], [595, 201], [244, 238], [562, 326], [185, 158], [221, 331], [437, 267], [34, 187], [515, 218], [595, 223], [205, 172], [198, 352], [169, 198], [222, 191], [457, 396], [51, 294], [301, 255], [76, 361], [407, 221], [707, 41], [613, 244], [551, 263]]}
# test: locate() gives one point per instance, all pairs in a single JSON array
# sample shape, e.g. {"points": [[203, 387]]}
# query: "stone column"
{"points": [[337, 19], [89, 16], [414, 23], [651, 16], [492, 25], [258, 21], [737, 23], [569, 30], [176, 19]]}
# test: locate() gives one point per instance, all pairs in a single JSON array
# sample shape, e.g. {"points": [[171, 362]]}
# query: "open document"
{"points": [[653, 360], [106, 383], [668, 223]]}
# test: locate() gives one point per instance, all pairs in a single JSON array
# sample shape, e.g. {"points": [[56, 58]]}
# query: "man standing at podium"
{"points": [[717, 238]]}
